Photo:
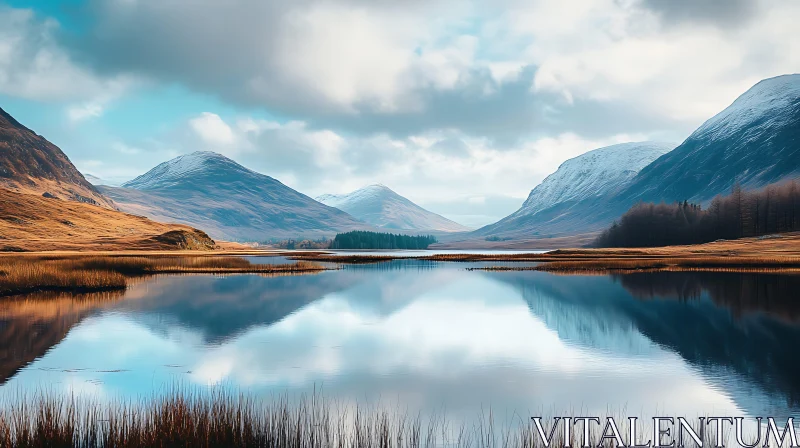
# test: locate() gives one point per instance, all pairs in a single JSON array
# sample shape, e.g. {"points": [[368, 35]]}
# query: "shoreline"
{"points": [[79, 272]]}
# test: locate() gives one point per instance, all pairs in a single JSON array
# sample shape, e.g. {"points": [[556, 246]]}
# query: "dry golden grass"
{"points": [[31, 222], [25, 274], [24, 277]]}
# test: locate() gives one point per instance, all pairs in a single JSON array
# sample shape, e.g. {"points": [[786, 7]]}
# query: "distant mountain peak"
{"points": [[380, 206]]}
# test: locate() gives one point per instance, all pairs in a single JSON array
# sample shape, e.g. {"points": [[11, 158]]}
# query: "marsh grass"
{"points": [[24, 274]]}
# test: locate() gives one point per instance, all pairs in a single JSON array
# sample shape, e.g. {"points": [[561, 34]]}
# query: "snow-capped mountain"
{"points": [[381, 207], [589, 176], [212, 192], [755, 141], [593, 174]]}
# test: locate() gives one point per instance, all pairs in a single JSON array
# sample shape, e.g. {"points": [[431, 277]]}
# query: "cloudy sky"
{"points": [[462, 106]]}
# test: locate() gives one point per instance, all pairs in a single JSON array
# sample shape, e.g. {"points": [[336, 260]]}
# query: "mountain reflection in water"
{"points": [[429, 333]]}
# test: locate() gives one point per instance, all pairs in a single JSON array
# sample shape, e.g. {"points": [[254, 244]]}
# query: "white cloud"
{"points": [[440, 100], [84, 111], [33, 65], [212, 129], [618, 52]]}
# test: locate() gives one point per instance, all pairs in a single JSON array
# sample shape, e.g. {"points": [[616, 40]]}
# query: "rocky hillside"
{"points": [[31, 164], [381, 207]]}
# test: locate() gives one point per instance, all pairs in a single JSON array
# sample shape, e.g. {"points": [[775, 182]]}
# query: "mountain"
{"points": [[229, 201], [381, 207], [755, 141], [46, 204], [31, 164], [586, 178]]}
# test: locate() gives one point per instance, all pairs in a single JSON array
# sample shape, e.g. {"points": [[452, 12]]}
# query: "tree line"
{"points": [[360, 239], [774, 209]]}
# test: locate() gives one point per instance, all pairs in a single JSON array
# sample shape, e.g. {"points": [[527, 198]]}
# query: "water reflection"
{"points": [[31, 325], [427, 334], [735, 328]]}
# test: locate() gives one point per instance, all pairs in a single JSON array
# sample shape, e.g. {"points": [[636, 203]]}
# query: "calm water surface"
{"points": [[427, 336]]}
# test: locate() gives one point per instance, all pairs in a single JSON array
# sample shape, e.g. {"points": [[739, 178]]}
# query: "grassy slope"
{"points": [[33, 223]]}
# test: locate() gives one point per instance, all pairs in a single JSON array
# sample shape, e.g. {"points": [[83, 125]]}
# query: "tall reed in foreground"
{"points": [[221, 419]]}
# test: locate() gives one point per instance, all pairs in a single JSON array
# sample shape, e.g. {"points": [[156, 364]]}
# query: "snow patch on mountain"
{"points": [[593, 174], [379, 206]]}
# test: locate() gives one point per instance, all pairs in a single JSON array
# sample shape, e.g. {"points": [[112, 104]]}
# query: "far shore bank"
{"points": [[775, 252], [68, 271]]}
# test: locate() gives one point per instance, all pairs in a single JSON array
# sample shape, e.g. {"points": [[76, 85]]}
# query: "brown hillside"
{"points": [[31, 164], [30, 222]]}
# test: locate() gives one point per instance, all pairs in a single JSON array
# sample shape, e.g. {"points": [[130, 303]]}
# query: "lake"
{"points": [[426, 336]]}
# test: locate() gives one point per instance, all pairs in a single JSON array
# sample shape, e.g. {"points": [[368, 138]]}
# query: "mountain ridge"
{"points": [[208, 190], [754, 141]]}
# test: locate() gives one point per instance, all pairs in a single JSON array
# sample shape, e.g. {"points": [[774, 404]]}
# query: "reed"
{"points": [[222, 419], [24, 274]]}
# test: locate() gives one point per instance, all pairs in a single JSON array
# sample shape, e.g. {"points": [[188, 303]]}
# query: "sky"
{"points": [[461, 106]]}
